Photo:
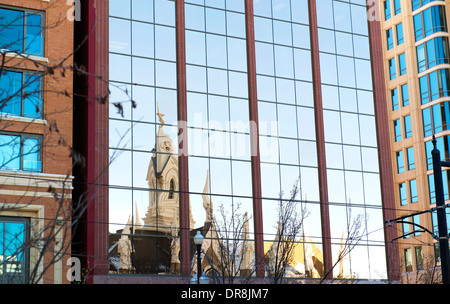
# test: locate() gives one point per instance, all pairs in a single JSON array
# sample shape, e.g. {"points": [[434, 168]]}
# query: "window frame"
{"points": [[26, 221], [24, 94], [42, 35], [22, 137]]}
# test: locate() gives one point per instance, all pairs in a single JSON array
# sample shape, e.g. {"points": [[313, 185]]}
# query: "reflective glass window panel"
{"points": [[262, 8], [263, 29], [413, 191], [120, 8], [14, 236], [359, 20], [325, 17], [195, 48], [342, 16], [142, 39], [429, 21], [408, 128], [142, 10], [31, 154], [405, 95], [402, 193], [397, 130], [22, 31], [21, 94], [400, 163], [165, 12], [235, 24], [411, 162], [387, 9], [20, 152], [394, 99], [11, 92], [300, 11], [399, 28], [392, 72], [402, 64], [389, 39], [397, 7]]}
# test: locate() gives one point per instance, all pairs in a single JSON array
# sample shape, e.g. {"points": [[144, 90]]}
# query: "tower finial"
{"points": [[159, 115]]}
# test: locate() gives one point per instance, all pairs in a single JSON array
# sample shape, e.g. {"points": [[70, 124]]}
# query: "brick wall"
{"points": [[55, 128]]}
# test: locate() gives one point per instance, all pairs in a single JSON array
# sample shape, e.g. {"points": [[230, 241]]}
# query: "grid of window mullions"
{"points": [[25, 36], [432, 52], [422, 20], [210, 127], [290, 45], [136, 190]]}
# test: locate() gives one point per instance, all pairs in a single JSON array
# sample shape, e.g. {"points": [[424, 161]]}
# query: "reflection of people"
{"points": [[175, 246], [247, 248]]}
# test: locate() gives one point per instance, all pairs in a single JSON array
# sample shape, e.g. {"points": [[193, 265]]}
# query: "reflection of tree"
{"points": [[280, 258], [350, 239], [228, 247], [427, 270]]}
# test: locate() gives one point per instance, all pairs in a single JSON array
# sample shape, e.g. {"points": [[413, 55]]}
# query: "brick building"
{"points": [[36, 39]]}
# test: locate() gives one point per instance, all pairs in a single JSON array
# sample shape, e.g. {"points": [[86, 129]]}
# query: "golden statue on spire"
{"points": [[160, 115]]}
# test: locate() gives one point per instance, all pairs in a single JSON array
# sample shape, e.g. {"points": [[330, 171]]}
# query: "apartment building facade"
{"points": [[415, 42], [36, 39]]}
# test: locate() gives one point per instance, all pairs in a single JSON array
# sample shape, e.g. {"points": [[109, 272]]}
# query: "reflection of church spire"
{"points": [[163, 146], [207, 204], [137, 219], [160, 116]]}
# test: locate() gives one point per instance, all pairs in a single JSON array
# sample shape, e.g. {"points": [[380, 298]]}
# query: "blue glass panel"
{"points": [[392, 72], [402, 63], [405, 94], [400, 163], [14, 240], [387, 10], [31, 155], [9, 152], [411, 162], [427, 126], [32, 100], [389, 39], [408, 130], [34, 38], [424, 94], [394, 95], [12, 30], [399, 28], [437, 119], [397, 130], [11, 92], [402, 190]]}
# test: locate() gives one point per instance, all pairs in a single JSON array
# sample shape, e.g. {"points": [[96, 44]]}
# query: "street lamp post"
{"points": [[441, 214], [198, 241]]}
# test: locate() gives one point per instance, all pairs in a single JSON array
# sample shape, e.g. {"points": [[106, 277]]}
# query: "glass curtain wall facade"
{"points": [[350, 134], [144, 175]]}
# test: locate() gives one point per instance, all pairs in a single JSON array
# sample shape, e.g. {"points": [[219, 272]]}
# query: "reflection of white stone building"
{"points": [[162, 218], [162, 174]]}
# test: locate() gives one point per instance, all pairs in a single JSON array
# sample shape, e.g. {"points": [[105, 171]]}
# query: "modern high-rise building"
{"points": [[36, 80], [217, 110], [416, 61]]}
